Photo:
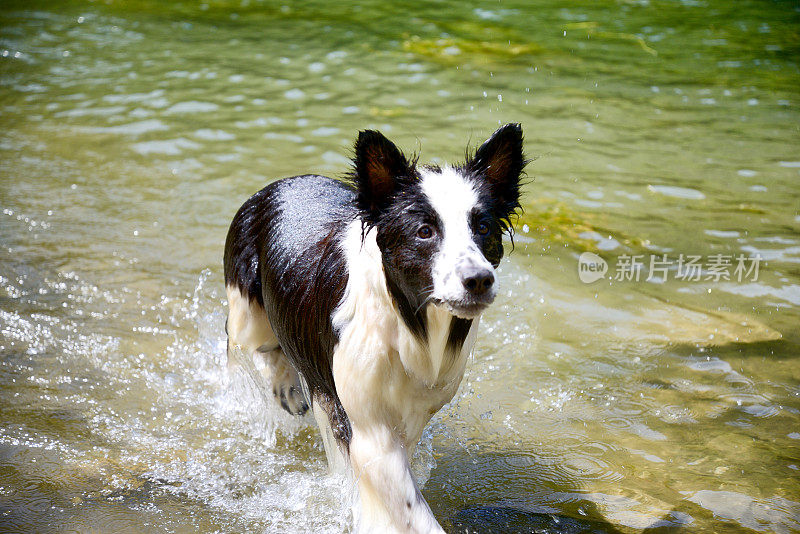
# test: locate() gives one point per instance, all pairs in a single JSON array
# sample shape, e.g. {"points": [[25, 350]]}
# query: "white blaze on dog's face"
{"points": [[462, 277], [440, 229]]}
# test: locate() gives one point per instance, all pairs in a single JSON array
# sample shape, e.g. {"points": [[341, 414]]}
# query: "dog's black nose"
{"points": [[478, 281]]}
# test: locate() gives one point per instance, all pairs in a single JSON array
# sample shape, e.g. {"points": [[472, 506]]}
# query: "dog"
{"points": [[362, 298]]}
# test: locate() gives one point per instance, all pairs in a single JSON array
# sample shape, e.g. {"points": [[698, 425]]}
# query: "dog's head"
{"points": [[440, 229]]}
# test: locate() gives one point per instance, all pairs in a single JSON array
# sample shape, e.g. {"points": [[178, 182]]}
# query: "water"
{"points": [[132, 131]]}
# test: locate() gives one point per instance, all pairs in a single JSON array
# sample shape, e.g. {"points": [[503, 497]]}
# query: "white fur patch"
{"points": [[453, 197], [247, 324]]}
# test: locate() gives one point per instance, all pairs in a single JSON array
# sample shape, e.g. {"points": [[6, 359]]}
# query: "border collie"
{"points": [[362, 299]]}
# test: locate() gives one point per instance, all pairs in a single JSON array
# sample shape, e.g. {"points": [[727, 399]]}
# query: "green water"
{"points": [[132, 131]]}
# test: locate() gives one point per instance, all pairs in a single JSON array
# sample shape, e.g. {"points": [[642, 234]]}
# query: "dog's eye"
{"points": [[483, 228], [425, 232]]}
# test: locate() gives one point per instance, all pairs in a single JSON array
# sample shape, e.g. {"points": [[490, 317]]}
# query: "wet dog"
{"points": [[362, 298]]}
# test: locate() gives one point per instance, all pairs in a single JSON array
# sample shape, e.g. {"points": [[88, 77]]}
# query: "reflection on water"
{"points": [[133, 131]]}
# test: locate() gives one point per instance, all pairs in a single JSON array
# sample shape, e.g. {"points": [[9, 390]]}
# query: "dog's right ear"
{"points": [[380, 170]]}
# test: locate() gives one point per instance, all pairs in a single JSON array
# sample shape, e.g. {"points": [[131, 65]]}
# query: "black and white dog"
{"points": [[363, 298]]}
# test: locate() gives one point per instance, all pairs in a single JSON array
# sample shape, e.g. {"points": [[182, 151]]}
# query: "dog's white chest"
{"points": [[388, 376], [416, 400]]}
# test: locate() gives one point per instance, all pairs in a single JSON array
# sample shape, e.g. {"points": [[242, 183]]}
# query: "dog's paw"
{"points": [[285, 381], [291, 399]]}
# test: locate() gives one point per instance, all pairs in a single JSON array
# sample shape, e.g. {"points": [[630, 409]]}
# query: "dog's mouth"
{"points": [[463, 309]]}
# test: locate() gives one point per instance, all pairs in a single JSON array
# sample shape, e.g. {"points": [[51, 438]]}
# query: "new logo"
{"points": [[591, 267]]}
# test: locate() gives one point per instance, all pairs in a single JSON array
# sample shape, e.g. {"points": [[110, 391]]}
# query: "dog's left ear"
{"points": [[380, 170], [500, 162]]}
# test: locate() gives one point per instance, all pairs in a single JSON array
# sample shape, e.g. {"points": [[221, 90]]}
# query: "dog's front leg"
{"points": [[390, 499]]}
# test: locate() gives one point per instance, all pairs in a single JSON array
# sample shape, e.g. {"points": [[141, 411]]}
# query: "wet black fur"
{"points": [[283, 247], [283, 251]]}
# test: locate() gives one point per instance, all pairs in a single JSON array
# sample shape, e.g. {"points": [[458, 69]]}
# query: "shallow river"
{"points": [[663, 134]]}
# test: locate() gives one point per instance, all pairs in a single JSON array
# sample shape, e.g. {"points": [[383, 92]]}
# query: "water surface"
{"points": [[132, 131]]}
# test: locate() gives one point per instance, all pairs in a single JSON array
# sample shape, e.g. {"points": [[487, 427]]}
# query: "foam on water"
{"points": [[265, 479], [180, 424]]}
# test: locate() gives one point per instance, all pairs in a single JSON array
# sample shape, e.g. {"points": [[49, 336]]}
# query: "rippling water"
{"points": [[132, 131]]}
